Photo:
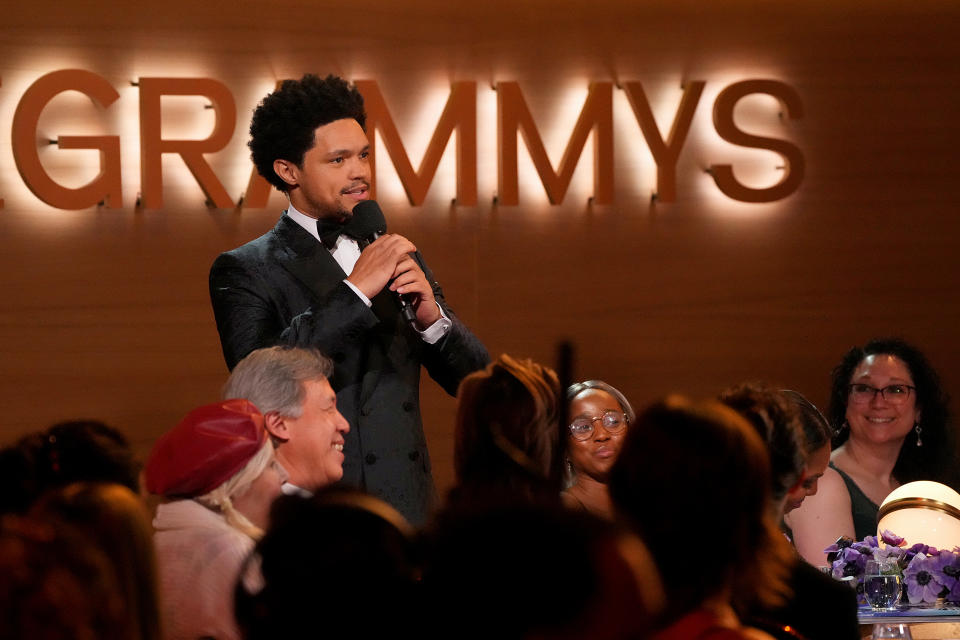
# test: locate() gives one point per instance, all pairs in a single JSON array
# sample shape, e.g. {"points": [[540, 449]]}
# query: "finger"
{"points": [[395, 244], [405, 265], [406, 279], [414, 287]]}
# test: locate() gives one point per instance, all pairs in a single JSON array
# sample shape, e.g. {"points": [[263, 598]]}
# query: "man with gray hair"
{"points": [[291, 388]]}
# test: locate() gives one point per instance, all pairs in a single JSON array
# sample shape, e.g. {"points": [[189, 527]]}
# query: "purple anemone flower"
{"points": [[842, 543], [894, 553], [889, 537], [945, 567], [849, 563], [922, 584], [954, 594]]}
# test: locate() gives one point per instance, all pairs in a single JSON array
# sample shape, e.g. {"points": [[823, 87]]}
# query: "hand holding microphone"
{"points": [[387, 262]]}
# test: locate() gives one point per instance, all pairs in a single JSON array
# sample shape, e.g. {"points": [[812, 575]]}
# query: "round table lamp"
{"points": [[922, 511]]}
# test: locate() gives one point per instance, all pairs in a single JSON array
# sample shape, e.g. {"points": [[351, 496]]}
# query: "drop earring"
{"points": [[843, 427], [918, 429]]}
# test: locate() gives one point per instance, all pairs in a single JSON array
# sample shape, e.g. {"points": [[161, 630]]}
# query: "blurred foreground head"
{"points": [[339, 563], [693, 479], [537, 571], [55, 584], [115, 521]]}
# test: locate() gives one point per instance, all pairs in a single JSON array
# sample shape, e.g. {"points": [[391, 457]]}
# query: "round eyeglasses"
{"points": [[892, 393], [612, 421]]}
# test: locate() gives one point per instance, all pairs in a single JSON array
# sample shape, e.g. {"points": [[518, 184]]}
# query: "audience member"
{"points": [[291, 388], [507, 434], [819, 607], [55, 584], [67, 452], [891, 413], [537, 570], [339, 564], [114, 520], [217, 467], [777, 422], [694, 481], [599, 415], [816, 450]]}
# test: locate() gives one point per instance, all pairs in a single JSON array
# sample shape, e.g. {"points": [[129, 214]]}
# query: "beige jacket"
{"points": [[199, 557]]}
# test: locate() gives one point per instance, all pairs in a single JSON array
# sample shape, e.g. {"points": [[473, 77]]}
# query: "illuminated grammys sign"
{"points": [[459, 114]]}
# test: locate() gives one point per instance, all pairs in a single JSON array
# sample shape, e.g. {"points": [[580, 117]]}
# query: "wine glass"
{"points": [[891, 630]]}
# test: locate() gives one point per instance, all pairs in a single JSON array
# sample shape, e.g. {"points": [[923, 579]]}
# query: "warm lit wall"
{"points": [[105, 311]]}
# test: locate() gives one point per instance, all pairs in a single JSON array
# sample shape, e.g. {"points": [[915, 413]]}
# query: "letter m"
{"points": [[596, 116], [460, 113]]}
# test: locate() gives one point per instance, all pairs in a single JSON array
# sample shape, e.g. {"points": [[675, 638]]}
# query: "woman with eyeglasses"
{"points": [[599, 415], [890, 416]]}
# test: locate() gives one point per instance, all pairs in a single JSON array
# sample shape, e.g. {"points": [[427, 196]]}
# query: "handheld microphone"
{"points": [[368, 223]]}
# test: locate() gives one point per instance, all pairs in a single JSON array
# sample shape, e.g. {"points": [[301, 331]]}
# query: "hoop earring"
{"points": [[918, 429]]}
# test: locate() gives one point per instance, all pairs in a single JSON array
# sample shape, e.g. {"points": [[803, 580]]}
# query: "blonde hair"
{"points": [[221, 498]]}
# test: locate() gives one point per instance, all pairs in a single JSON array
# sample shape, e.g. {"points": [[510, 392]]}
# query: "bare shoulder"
{"points": [[830, 489], [822, 518]]}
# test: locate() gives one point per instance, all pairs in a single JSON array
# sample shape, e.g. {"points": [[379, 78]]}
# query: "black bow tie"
{"points": [[330, 229]]}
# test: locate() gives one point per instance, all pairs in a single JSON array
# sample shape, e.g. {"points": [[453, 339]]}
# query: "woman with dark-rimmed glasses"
{"points": [[599, 415], [890, 416]]}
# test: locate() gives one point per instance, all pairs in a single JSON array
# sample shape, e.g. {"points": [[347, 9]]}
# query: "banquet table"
{"points": [[925, 622]]}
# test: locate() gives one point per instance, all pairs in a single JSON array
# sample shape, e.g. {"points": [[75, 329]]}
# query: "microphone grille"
{"points": [[367, 220]]}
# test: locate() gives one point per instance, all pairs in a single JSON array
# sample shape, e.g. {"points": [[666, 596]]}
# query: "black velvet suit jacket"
{"points": [[286, 288]]}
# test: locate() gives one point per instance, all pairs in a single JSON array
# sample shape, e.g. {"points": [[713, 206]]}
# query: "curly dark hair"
{"points": [[935, 460], [284, 122]]}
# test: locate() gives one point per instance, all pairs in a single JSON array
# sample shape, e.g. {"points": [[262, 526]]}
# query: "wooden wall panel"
{"points": [[105, 311]]}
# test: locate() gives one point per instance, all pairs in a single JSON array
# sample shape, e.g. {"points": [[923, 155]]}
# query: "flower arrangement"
{"points": [[928, 573]]}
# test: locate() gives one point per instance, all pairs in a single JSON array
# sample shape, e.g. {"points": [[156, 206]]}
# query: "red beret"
{"points": [[209, 445]]}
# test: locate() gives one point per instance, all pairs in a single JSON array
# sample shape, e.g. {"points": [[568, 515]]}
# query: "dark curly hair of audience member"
{"points": [[936, 459], [67, 452], [285, 121], [778, 422], [690, 472]]}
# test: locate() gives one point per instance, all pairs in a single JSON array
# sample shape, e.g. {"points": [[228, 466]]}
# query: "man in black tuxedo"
{"points": [[307, 283]]}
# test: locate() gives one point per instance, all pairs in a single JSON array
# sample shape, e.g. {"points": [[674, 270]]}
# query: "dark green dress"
{"points": [[864, 509]]}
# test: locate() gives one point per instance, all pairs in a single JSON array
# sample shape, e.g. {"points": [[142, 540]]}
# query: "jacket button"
{"points": [[408, 406], [413, 455], [370, 458]]}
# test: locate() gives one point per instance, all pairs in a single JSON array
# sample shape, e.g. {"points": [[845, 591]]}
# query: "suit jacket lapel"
{"points": [[307, 259]]}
